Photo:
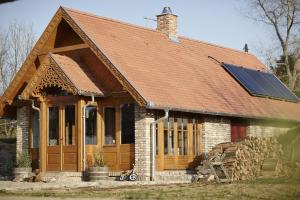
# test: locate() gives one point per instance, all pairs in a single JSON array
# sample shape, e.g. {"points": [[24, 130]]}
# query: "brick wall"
{"points": [[215, 130], [262, 129], [167, 23], [22, 129], [143, 119]]}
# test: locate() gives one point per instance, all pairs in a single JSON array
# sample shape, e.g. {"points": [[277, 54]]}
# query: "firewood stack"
{"points": [[245, 160]]}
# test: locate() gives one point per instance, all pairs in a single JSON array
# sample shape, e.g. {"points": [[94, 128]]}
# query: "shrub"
{"points": [[23, 159]]}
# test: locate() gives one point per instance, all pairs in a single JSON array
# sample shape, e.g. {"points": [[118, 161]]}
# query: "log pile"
{"points": [[246, 159]]}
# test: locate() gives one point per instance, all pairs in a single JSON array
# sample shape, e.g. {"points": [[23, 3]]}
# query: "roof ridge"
{"points": [[153, 30], [215, 45], [108, 19]]}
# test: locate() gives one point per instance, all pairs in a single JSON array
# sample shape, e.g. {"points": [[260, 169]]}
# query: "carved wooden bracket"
{"points": [[48, 75]]}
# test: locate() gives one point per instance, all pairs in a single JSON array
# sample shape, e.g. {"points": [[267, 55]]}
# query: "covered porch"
{"points": [[69, 118]]}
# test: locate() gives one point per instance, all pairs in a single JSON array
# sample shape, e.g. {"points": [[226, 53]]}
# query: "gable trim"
{"points": [[49, 74]]}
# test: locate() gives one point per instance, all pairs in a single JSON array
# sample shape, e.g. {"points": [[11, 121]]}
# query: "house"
{"points": [[143, 96]]}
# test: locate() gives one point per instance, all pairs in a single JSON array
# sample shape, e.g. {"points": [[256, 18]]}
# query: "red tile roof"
{"points": [[180, 75], [72, 69]]}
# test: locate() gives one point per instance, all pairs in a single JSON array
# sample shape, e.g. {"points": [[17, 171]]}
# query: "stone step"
{"points": [[62, 176]]}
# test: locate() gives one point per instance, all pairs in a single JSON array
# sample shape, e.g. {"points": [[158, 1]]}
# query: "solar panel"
{"points": [[261, 84]]}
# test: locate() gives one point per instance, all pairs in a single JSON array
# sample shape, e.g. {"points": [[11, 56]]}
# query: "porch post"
{"points": [[80, 105], [43, 136], [143, 119]]}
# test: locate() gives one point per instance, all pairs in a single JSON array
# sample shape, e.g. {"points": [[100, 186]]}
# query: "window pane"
{"points": [[165, 142], [53, 126], [127, 124], [185, 143], [195, 137], [171, 136], [171, 141], [91, 125], [156, 139], [180, 146], [35, 127], [70, 136], [109, 124]]}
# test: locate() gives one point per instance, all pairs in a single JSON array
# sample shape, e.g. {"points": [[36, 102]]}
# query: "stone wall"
{"points": [[215, 130], [22, 134], [143, 119]]}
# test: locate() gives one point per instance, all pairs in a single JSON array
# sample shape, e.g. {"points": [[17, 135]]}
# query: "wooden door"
{"points": [[69, 142], [53, 139], [238, 130], [62, 138]]}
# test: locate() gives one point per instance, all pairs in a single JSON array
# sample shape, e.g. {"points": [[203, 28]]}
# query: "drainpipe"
{"points": [[35, 108], [153, 125], [83, 117]]}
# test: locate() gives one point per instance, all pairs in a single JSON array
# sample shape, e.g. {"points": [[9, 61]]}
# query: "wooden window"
{"points": [[53, 124], [91, 125], [182, 136], [70, 136], [127, 124], [35, 128], [110, 125], [179, 136], [169, 136]]}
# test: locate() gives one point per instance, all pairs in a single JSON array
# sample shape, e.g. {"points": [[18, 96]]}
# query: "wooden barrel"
{"points": [[21, 173], [98, 173]]}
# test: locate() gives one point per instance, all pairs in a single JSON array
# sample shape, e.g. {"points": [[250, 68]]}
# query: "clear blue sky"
{"points": [[215, 21]]}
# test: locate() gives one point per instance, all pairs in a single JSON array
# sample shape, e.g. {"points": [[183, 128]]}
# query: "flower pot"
{"points": [[98, 173], [20, 173]]}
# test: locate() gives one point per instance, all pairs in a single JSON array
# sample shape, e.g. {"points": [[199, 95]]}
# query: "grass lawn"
{"points": [[259, 189]]}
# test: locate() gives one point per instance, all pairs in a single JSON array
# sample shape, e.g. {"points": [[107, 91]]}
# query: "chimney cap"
{"points": [[166, 10]]}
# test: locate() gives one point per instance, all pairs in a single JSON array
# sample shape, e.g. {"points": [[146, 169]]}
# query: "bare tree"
{"points": [[15, 45], [284, 18]]}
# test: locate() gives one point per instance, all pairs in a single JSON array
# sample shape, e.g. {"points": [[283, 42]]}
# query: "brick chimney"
{"points": [[167, 23]]}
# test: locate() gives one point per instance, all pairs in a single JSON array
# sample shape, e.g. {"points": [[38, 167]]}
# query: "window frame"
{"points": [[103, 129], [97, 126]]}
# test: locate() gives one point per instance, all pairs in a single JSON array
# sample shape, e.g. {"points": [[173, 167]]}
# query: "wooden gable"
{"points": [[56, 38]]}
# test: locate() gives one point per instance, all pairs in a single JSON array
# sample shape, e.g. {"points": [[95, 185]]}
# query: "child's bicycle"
{"points": [[129, 175]]}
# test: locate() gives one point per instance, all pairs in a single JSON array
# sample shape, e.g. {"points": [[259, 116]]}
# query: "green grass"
{"points": [[262, 189]]}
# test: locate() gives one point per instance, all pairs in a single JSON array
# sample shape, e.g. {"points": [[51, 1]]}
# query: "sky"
{"points": [[221, 22]]}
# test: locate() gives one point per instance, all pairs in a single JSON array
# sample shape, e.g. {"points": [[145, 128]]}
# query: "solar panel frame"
{"points": [[261, 84]]}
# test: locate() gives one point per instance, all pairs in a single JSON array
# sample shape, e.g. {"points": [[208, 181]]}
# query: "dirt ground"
{"points": [[259, 189]]}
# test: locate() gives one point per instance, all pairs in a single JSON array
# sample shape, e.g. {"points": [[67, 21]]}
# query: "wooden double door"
{"points": [[62, 138]]}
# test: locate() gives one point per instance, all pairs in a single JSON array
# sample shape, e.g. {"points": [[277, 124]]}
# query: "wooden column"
{"points": [[161, 144], [43, 136], [190, 142], [118, 132], [79, 125]]}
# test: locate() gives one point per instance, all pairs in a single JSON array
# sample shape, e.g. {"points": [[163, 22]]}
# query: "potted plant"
{"points": [[23, 166], [98, 171]]}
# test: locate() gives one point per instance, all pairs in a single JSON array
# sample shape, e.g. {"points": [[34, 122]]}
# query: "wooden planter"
{"points": [[98, 173], [20, 173]]}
